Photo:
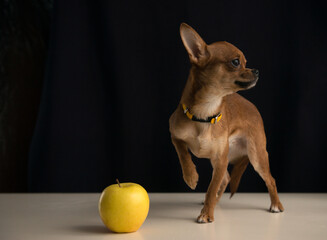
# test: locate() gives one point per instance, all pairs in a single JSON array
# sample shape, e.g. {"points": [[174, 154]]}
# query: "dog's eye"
{"points": [[236, 62]]}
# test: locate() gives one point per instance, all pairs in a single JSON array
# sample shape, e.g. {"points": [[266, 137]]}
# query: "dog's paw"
{"points": [[191, 177], [205, 218], [276, 208]]}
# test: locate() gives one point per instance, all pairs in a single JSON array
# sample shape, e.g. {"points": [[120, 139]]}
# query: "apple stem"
{"points": [[118, 182]]}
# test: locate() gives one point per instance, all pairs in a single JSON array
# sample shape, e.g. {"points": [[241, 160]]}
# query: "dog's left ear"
{"points": [[194, 44]]}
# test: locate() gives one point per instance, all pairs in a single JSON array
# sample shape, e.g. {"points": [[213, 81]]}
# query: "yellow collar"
{"points": [[212, 120]]}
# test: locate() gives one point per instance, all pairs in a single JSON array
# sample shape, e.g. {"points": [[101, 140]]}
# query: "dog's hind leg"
{"points": [[223, 186], [236, 175], [258, 157]]}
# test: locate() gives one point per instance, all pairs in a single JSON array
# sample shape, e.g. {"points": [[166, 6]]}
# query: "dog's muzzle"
{"points": [[249, 84], [255, 72], [246, 84]]}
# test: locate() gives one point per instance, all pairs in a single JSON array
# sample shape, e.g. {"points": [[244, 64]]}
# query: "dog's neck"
{"points": [[203, 101]]}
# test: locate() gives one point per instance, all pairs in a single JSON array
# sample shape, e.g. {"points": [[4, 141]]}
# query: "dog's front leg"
{"points": [[219, 171], [190, 174]]}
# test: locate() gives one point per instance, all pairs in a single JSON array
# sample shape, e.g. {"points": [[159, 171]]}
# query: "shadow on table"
{"points": [[102, 230], [240, 206], [188, 211], [183, 211], [94, 229]]}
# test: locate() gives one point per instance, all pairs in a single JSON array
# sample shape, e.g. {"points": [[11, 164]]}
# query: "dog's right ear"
{"points": [[194, 44]]}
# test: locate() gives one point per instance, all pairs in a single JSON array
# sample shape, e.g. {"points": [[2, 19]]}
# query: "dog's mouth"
{"points": [[246, 84]]}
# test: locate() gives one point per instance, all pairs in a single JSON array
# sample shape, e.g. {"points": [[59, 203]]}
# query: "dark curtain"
{"points": [[24, 27], [115, 72]]}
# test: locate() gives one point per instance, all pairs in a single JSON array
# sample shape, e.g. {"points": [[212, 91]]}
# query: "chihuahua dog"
{"points": [[213, 121]]}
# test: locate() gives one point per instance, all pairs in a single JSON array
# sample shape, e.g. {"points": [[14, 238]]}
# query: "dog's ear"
{"points": [[194, 44]]}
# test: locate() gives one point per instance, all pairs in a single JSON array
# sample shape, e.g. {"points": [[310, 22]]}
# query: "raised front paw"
{"points": [[276, 208], [191, 177]]}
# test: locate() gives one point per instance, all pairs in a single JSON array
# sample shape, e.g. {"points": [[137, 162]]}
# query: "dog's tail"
{"points": [[237, 172]]}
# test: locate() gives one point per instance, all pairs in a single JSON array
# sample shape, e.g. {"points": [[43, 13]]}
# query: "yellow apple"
{"points": [[123, 207]]}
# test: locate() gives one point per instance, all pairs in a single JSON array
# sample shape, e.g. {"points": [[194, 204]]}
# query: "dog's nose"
{"points": [[255, 72]]}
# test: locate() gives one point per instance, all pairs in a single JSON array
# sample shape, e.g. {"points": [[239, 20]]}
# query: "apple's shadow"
{"points": [[93, 229]]}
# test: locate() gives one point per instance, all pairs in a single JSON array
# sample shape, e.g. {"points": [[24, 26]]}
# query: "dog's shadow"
{"points": [[167, 210], [188, 211], [241, 207]]}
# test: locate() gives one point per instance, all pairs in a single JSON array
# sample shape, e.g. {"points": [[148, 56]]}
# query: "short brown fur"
{"points": [[238, 138]]}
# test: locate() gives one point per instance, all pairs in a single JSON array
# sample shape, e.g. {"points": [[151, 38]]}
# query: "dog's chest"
{"points": [[203, 147], [202, 142]]}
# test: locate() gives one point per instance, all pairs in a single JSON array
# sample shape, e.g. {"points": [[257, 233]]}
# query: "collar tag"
{"points": [[212, 120]]}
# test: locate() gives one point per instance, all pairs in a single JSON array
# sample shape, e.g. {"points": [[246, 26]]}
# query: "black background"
{"points": [[115, 71]]}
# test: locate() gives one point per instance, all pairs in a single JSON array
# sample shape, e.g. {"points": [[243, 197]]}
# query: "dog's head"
{"points": [[219, 64]]}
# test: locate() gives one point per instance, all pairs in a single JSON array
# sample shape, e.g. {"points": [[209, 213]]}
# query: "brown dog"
{"points": [[212, 121]]}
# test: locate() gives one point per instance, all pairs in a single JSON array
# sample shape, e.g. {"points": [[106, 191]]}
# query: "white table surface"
{"points": [[171, 216]]}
